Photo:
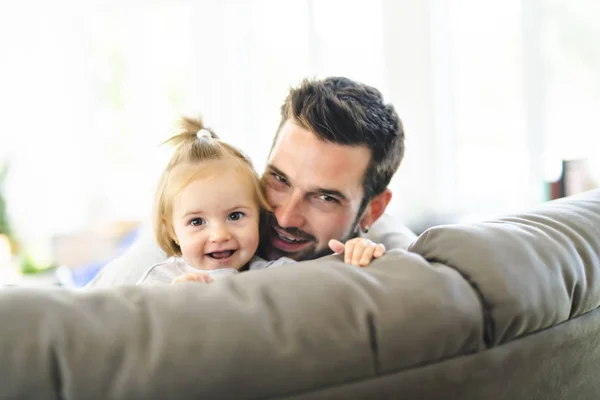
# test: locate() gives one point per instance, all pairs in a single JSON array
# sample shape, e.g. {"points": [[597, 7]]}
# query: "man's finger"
{"points": [[336, 246]]}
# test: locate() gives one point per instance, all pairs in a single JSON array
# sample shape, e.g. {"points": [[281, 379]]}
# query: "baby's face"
{"points": [[215, 220]]}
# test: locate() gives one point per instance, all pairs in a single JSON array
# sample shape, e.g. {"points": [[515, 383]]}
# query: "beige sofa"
{"points": [[505, 309]]}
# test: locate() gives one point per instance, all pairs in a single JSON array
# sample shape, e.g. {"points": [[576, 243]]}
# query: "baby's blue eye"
{"points": [[196, 222], [236, 216]]}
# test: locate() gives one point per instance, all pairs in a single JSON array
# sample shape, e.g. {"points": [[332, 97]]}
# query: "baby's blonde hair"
{"points": [[191, 150]]}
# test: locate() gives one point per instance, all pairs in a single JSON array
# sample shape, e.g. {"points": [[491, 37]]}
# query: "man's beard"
{"points": [[267, 251]]}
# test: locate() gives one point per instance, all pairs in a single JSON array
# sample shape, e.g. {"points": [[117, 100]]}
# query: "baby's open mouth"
{"points": [[220, 255]]}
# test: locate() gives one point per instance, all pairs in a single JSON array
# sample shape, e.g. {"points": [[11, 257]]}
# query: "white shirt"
{"points": [[173, 267]]}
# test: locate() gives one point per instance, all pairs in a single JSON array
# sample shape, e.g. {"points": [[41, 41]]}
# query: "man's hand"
{"points": [[200, 277], [358, 251]]}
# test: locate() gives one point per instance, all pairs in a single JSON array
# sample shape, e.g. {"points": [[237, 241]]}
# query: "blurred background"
{"points": [[498, 98]]}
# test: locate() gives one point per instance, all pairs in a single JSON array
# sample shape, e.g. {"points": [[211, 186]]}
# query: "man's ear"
{"points": [[375, 209]]}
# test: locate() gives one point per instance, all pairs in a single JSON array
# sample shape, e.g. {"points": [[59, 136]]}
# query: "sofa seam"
{"points": [[373, 342], [489, 324], [56, 373], [424, 364]]}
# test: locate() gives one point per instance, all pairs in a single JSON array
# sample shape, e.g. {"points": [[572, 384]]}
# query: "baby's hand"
{"points": [[358, 251], [200, 277]]}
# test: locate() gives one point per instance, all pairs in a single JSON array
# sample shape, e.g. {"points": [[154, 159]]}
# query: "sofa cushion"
{"points": [[561, 363], [532, 270], [259, 334]]}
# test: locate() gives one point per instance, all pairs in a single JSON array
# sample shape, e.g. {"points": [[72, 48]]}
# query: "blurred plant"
{"points": [[27, 263], [30, 266], [4, 222], [5, 225]]}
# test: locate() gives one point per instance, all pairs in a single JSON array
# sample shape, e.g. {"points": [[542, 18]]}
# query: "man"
{"points": [[335, 151], [337, 147]]}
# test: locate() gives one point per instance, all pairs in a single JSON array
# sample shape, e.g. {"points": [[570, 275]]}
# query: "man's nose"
{"points": [[289, 213], [219, 233]]}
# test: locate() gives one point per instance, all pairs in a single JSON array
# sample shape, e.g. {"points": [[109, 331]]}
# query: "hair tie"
{"points": [[204, 134]]}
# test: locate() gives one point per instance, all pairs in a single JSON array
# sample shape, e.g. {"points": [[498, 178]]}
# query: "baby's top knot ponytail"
{"points": [[204, 134]]}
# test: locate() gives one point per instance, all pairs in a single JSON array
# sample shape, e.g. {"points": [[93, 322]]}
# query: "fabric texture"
{"points": [[534, 270], [504, 309], [262, 334]]}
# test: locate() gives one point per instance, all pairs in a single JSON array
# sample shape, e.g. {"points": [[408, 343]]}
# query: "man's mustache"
{"points": [[292, 231]]}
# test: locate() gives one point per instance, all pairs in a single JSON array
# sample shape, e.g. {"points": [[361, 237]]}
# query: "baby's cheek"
{"points": [[194, 245], [192, 251], [253, 237]]}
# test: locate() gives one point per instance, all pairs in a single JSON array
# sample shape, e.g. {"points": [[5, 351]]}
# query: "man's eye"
{"points": [[328, 199], [196, 222], [280, 178], [236, 216]]}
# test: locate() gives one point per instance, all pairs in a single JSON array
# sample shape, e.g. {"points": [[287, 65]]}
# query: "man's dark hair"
{"points": [[342, 111]]}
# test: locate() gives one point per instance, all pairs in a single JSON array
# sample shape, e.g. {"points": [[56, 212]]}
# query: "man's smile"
{"points": [[284, 241]]}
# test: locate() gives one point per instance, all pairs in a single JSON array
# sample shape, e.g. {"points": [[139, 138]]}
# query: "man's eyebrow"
{"points": [[327, 192], [277, 170], [332, 192]]}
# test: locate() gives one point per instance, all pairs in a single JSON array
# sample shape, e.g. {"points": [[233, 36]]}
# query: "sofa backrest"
{"points": [[440, 321], [531, 270]]}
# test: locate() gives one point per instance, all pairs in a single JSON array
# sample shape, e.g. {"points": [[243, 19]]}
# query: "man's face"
{"points": [[315, 189]]}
